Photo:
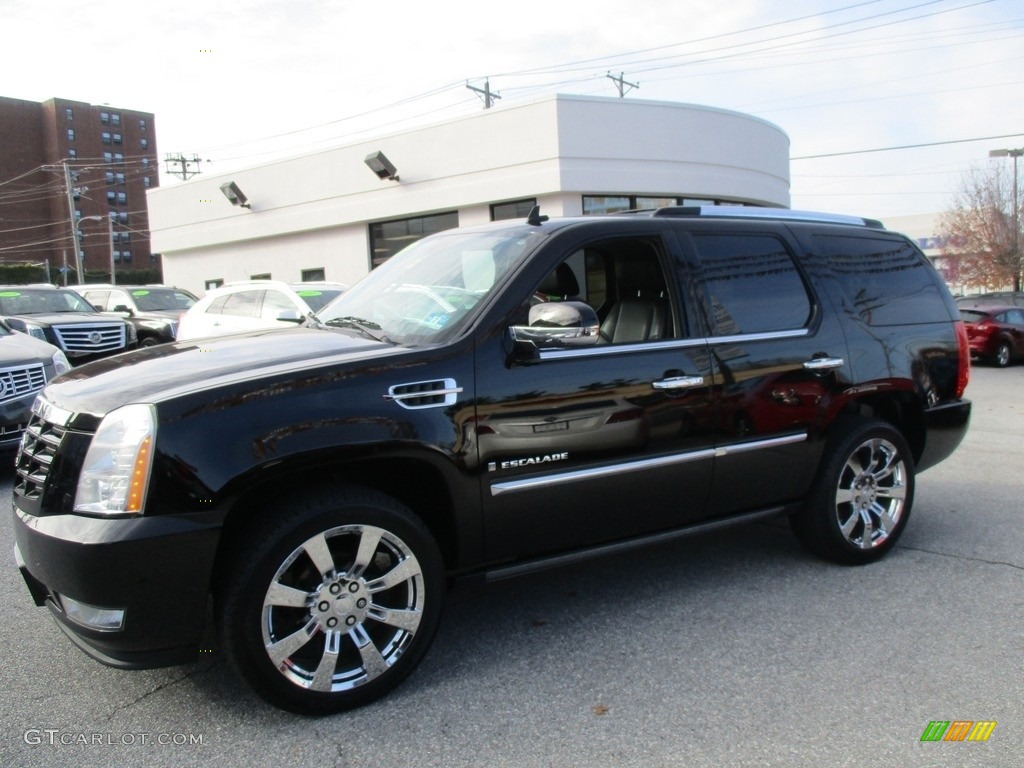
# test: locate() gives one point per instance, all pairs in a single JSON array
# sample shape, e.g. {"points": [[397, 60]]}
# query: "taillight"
{"points": [[963, 374]]}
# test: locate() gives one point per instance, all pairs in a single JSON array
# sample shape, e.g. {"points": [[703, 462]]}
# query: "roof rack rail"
{"points": [[753, 212]]}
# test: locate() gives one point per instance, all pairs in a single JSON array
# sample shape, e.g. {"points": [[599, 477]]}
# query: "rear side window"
{"points": [[886, 280], [753, 283]]}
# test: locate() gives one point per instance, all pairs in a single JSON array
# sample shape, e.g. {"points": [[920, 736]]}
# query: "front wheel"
{"points": [[861, 499], [332, 601]]}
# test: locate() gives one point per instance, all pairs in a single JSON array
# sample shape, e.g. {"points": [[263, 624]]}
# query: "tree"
{"points": [[981, 230]]}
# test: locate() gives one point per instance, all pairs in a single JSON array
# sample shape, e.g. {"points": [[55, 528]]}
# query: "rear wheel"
{"points": [[1002, 356], [861, 499], [332, 601]]}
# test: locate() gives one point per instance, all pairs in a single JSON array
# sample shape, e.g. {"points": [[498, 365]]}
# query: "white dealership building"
{"points": [[329, 215]]}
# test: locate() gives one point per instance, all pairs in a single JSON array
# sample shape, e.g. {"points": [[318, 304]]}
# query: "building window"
{"points": [[109, 176], [117, 138], [105, 137], [147, 182], [69, 113], [314, 275], [599, 204], [145, 162], [142, 124], [108, 157], [72, 153], [119, 177], [104, 117], [122, 217], [126, 255], [111, 197], [116, 255], [71, 134], [118, 157], [144, 143], [115, 119], [122, 198], [517, 209], [389, 237]]}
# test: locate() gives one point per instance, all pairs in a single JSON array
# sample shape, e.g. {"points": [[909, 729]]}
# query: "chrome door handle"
{"points": [[824, 363], [679, 382]]}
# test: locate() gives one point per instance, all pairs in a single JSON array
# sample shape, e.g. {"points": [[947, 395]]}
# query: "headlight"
{"points": [[34, 330], [115, 473], [60, 363], [133, 335]]}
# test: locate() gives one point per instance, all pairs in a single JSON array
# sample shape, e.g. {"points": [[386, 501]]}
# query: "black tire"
{"points": [[861, 499], [331, 600], [148, 341], [1001, 359]]}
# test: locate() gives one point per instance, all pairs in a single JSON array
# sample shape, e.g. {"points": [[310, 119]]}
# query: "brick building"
{"points": [[108, 158]]}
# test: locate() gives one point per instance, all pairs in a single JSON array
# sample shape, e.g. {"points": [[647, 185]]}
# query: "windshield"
{"points": [[29, 301], [155, 299], [427, 293]]}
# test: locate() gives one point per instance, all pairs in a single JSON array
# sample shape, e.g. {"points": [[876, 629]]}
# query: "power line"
{"points": [[906, 146]]}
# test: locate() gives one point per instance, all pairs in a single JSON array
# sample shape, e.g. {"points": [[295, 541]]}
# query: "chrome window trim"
{"points": [[656, 346], [576, 475]]}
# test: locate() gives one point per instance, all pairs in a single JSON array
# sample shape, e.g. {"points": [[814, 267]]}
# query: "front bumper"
{"points": [[156, 570]]}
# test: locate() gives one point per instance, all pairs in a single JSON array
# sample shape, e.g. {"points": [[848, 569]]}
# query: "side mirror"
{"points": [[123, 308], [558, 325], [290, 316]]}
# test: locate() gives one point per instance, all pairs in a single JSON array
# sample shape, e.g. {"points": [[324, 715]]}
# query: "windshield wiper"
{"points": [[368, 328]]}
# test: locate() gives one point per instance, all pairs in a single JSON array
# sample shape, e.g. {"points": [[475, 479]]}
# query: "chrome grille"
{"points": [[91, 337], [18, 382], [39, 445]]}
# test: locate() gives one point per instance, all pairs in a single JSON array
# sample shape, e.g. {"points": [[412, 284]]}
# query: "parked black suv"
{"points": [[66, 320], [154, 310], [492, 401]]}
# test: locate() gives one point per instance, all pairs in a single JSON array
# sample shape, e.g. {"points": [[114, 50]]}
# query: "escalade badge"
{"points": [[95, 337], [547, 458]]}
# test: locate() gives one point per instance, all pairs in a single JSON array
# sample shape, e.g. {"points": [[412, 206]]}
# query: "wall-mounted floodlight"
{"points": [[234, 195], [381, 166]]}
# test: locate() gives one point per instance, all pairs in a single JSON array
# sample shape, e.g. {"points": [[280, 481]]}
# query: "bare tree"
{"points": [[981, 230]]}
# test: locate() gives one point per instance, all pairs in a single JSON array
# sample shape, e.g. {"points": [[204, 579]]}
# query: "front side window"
{"points": [[753, 284]]}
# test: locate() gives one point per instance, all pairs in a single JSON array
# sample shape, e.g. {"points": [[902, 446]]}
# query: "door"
{"points": [[780, 358], [584, 445]]}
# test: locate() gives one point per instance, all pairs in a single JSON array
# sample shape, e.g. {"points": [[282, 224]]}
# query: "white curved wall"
{"points": [[312, 211]]}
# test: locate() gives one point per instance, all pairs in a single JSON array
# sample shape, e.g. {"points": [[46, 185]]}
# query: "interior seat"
{"points": [[642, 312]]}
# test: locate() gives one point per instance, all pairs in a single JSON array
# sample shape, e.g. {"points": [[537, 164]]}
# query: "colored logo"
{"points": [[958, 730]]}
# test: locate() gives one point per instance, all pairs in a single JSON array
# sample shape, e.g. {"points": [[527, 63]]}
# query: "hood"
{"points": [[22, 349], [62, 318], [159, 373]]}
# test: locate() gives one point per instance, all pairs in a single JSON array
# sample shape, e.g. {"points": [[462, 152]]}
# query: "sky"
{"points": [[887, 103]]}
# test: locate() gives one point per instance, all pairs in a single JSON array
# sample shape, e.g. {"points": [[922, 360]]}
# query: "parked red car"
{"points": [[996, 333]]}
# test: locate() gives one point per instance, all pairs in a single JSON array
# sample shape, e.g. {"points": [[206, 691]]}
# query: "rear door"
{"points": [[779, 357]]}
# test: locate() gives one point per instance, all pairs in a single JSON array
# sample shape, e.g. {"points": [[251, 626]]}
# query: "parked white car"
{"points": [[254, 304]]}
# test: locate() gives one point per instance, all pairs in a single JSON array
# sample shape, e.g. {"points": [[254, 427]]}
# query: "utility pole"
{"points": [[181, 166], [621, 84], [71, 217], [488, 97]]}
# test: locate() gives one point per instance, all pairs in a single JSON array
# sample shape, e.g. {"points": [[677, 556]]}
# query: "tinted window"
{"points": [[886, 280], [753, 284]]}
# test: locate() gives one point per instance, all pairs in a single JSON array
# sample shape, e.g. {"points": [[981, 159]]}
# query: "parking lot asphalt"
{"points": [[734, 649]]}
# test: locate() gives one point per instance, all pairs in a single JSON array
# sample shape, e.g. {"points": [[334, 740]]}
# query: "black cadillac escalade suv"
{"points": [[491, 401]]}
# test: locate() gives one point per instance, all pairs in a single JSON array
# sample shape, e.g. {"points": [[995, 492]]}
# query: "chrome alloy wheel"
{"points": [[342, 608], [871, 493]]}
